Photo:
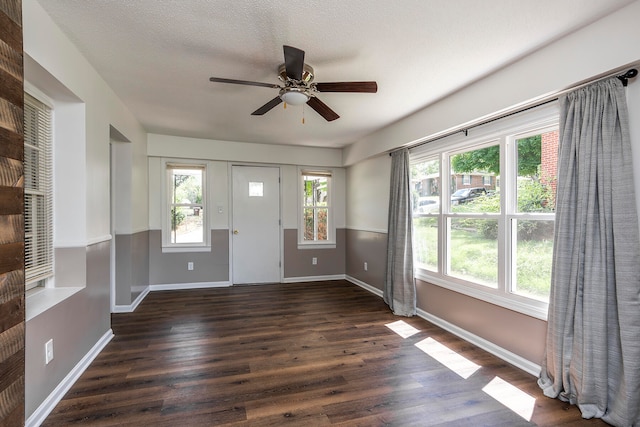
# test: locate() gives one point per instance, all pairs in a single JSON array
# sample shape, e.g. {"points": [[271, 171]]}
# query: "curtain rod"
{"points": [[624, 78]]}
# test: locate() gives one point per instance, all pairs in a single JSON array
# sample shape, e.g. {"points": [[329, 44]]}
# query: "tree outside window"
{"points": [[186, 204], [315, 207]]}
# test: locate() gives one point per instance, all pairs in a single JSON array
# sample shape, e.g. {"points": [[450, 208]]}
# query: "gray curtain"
{"points": [[593, 338], [399, 286]]}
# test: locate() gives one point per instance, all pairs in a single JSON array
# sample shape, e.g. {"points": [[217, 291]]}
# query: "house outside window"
{"points": [[38, 192], [494, 243]]}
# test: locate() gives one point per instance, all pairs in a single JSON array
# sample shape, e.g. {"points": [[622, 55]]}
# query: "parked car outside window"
{"points": [[427, 205], [465, 195]]}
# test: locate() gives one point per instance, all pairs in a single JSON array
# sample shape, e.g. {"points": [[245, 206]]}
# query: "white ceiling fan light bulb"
{"points": [[294, 97]]}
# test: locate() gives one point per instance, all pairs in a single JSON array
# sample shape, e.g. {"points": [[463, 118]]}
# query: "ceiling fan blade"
{"points": [[268, 106], [243, 82], [322, 109], [361, 87], [294, 62]]}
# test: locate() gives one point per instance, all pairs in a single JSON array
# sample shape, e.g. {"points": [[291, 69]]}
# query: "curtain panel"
{"points": [[399, 287], [592, 354]]}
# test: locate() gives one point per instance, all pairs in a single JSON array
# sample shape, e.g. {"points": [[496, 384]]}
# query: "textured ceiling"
{"points": [[158, 55]]}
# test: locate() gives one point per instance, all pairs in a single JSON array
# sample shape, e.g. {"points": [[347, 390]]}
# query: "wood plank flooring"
{"points": [[303, 354]]}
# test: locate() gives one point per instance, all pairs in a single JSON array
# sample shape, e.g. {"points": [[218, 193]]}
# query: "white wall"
{"points": [[607, 44], [224, 153], [368, 194], [193, 148], [84, 109], [64, 67]]}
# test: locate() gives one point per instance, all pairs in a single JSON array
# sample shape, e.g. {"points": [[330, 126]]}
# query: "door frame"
{"points": [[230, 166]]}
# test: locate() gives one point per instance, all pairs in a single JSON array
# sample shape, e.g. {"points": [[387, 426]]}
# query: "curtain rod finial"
{"points": [[624, 78]]}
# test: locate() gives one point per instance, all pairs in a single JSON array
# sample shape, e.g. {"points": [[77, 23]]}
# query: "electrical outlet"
{"points": [[366, 266], [314, 261], [48, 351], [189, 266]]}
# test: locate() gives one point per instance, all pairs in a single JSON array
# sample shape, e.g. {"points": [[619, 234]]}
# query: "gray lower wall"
{"points": [[76, 324], [369, 247], [132, 266], [513, 331], [67, 270], [516, 332], [298, 262], [171, 268]]}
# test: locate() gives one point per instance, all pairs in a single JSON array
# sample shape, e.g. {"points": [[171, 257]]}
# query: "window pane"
{"points": [[186, 186], [473, 250], [470, 173], [315, 190], [256, 189], [315, 224], [322, 224], [425, 186], [309, 224], [537, 172], [425, 238], [533, 258], [187, 224]]}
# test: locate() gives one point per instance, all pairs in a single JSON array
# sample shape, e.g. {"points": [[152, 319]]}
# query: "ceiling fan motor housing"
{"points": [[307, 73]]}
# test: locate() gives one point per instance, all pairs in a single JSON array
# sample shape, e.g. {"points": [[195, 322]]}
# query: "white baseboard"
{"points": [[364, 285], [131, 307], [313, 278], [504, 354], [45, 408], [183, 286]]}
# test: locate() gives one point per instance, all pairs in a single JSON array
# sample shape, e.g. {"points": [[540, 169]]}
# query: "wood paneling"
{"points": [[12, 302], [300, 354]]}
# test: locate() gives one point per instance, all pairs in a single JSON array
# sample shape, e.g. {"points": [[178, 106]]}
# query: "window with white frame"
{"points": [[185, 220], [316, 213], [493, 242], [38, 194]]}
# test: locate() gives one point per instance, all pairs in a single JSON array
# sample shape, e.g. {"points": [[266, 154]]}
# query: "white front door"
{"points": [[256, 224]]}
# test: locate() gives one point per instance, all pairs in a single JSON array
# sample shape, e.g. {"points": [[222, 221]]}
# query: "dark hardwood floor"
{"points": [[301, 354]]}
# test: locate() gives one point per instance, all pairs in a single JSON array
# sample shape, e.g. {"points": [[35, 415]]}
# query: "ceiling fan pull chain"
{"points": [[285, 105], [302, 113]]}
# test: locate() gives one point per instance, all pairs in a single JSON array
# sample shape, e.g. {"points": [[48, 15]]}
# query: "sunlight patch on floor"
{"points": [[511, 397], [402, 328], [449, 358]]}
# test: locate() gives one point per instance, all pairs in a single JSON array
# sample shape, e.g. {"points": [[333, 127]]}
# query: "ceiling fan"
{"points": [[298, 87]]}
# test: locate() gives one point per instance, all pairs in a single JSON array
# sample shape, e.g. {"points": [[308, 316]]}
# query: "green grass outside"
{"points": [[475, 258]]}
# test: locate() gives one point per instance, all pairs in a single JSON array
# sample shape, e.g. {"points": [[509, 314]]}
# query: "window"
{"points": [[493, 240], [185, 222], [316, 227], [38, 211]]}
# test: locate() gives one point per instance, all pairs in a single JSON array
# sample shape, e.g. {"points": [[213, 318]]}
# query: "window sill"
{"points": [[534, 309], [39, 300], [327, 245]]}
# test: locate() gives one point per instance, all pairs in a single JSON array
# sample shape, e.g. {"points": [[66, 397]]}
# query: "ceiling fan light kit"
{"points": [[298, 88], [294, 95]]}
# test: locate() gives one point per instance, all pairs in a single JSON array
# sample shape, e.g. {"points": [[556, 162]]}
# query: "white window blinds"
{"points": [[38, 213]]}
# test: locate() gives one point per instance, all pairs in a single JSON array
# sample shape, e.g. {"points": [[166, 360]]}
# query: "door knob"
{"points": [[235, 231]]}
